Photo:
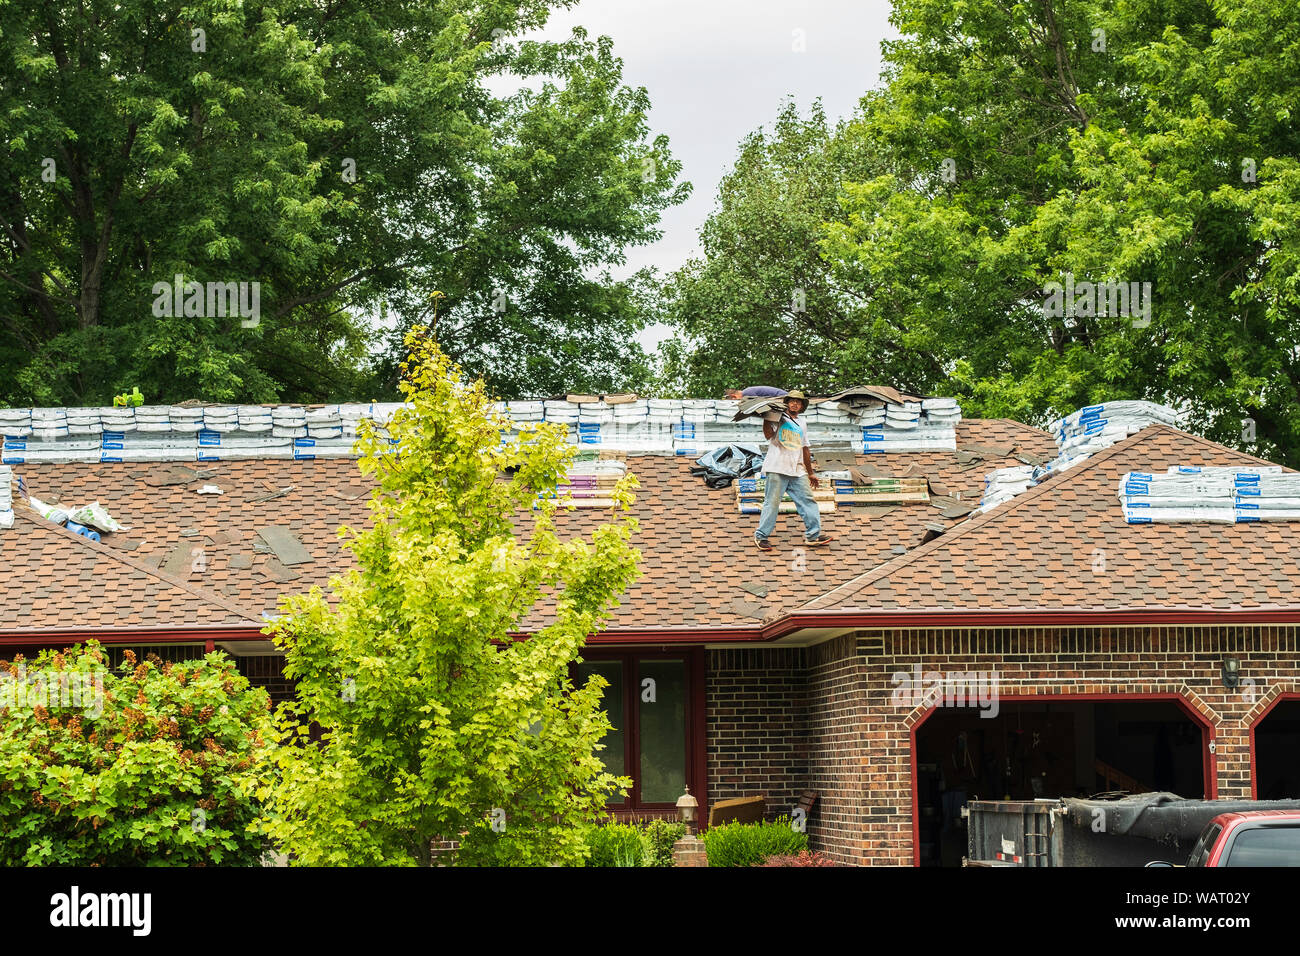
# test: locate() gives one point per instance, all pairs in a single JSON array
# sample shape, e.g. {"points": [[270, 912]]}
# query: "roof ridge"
{"points": [[203, 594], [997, 513]]}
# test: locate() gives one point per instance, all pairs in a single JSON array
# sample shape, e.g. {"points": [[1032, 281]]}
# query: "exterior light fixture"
{"points": [[1231, 672], [687, 806]]}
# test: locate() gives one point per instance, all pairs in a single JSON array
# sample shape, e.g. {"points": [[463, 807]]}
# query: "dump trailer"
{"points": [[1125, 831]]}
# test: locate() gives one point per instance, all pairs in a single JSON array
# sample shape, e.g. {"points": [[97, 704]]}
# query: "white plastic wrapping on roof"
{"points": [[1003, 484], [1224, 495], [645, 426], [6, 497], [1089, 430]]}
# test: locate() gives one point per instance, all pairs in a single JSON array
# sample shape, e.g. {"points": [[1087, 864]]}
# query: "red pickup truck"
{"points": [[1249, 838]]}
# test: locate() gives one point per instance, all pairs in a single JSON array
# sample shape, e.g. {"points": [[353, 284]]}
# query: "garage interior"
{"points": [[1277, 753], [1051, 748]]}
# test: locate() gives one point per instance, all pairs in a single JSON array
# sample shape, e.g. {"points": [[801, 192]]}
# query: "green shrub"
{"points": [[615, 844], [660, 835], [150, 763], [750, 844]]}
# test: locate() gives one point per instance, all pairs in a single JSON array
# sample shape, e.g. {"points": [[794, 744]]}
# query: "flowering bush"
{"points": [[154, 764]]}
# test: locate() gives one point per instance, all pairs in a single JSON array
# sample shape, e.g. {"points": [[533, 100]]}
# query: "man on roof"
{"points": [[788, 470], [754, 391]]}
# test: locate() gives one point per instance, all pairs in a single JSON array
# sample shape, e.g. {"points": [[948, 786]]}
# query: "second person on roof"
{"points": [[788, 470]]}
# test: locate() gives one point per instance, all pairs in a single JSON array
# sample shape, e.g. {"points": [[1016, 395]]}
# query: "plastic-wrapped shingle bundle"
{"points": [[15, 422], [526, 411], [255, 419], [185, 419], [155, 419], [560, 411], [6, 497], [1224, 495], [84, 421], [288, 421], [941, 411], [324, 423], [1003, 484], [1095, 427]]}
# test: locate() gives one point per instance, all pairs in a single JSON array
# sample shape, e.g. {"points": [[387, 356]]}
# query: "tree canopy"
{"points": [[351, 159], [1011, 146]]}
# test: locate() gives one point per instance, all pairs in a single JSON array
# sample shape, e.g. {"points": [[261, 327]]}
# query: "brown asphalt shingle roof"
{"points": [[66, 581], [697, 550], [1064, 545]]}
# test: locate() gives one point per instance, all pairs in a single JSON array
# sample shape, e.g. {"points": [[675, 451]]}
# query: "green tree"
{"points": [[761, 306], [350, 158], [1011, 145], [435, 721], [151, 764]]}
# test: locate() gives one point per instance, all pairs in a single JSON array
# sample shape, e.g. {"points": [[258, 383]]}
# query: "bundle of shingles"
{"points": [[751, 491], [1223, 495], [868, 486], [1078, 435], [6, 497], [888, 420], [590, 481]]}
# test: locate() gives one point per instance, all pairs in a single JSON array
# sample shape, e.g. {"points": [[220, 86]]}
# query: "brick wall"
{"points": [[1137, 661], [757, 725], [782, 720]]}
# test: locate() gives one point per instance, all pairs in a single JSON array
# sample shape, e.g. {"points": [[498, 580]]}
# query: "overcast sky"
{"points": [[717, 69]]}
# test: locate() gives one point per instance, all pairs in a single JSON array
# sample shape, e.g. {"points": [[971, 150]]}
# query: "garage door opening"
{"points": [[1277, 752], [1050, 748]]}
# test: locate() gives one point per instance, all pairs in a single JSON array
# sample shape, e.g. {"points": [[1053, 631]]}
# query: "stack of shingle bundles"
{"points": [[222, 418], [589, 483], [525, 412], [15, 422], [84, 421], [49, 424], [566, 413], [941, 411], [878, 491], [663, 411], [1095, 427], [6, 497], [1198, 496], [153, 419], [699, 411], [117, 419], [17, 451], [1003, 484], [751, 491], [185, 419], [325, 422], [725, 410], [255, 419], [887, 438], [288, 421], [595, 413], [1266, 495], [829, 414]]}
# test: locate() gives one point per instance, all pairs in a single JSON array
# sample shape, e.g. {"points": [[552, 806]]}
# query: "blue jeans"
{"points": [[800, 492]]}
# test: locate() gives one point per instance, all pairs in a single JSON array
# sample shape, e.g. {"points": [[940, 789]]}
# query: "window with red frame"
{"points": [[651, 703]]}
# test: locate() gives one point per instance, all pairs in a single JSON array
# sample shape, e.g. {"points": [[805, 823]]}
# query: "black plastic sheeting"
{"points": [[1165, 817], [723, 465]]}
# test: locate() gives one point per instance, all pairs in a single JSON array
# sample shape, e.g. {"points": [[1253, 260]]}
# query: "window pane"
{"points": [[1266, 846], [662, 701], [612, 704]]}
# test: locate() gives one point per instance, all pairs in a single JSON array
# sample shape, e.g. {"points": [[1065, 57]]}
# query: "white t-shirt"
{"points": [[785, 450]]}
